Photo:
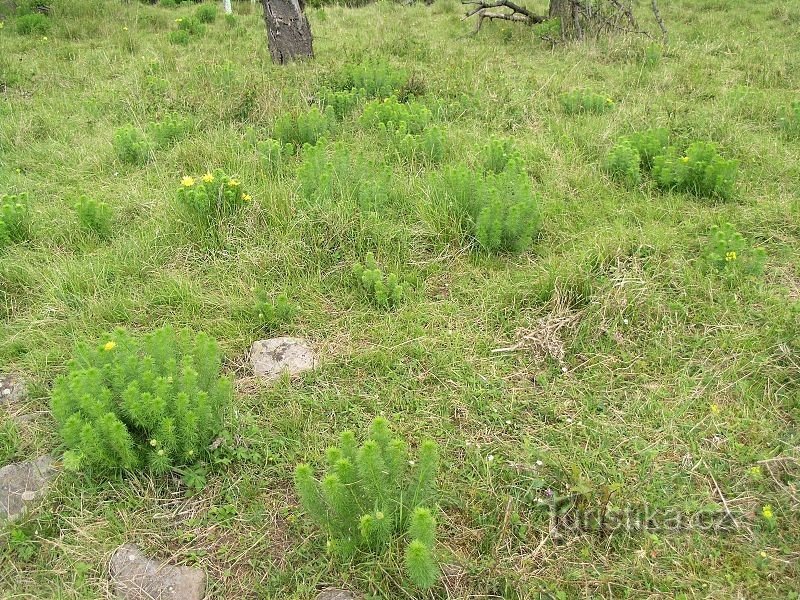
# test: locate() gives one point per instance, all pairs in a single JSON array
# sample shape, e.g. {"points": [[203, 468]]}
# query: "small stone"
{"points": [[136, 577], [12, 389], [335, 594], [272, 357], [23, 482]]}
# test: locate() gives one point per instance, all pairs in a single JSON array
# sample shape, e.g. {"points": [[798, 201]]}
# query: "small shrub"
{"points": [[701, 171], [372, 79], [179, 37], [649, 144], [230, 21], [370, 496], [141, 403], [14, 219], [498, 210], [790, 121], [190, 25], [341, 102], [168, 3], [273, 313], [729, 251], [94, 216], [391, 113], [623, 163], [496, 154], [211, 199], [305, 128], [169, 130], [206, 13], [585, 101], [273, 155], [384, 290], [427, 147], [33, 24], [131, 146]]}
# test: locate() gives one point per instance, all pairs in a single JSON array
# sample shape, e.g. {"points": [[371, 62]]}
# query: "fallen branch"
{"points": [[483, 10]]}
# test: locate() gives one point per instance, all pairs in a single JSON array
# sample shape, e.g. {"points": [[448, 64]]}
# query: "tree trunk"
{"points": [[564, 10], [288, 32], [227, 6]]}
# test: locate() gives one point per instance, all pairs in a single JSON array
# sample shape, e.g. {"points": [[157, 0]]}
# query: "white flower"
{"points": [[539, 463], [490, 458]]}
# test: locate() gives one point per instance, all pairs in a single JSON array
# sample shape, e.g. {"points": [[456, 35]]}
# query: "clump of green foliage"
{"points": [[153, 402], [373, 79], [273, 312], [304, 128], [790, 120], [384, 290], [372, 494], [341, 102], [94, 216], [206, 13], [728, 250], [427, 147], [33, 24], [496, 155], [499, 210], [649, 144], [391, 113], [701, 171], [623, 163], [10, 441], [179, 37], [131, 146], [585, 101], [191, 25], [273, 155], [169, 130], [212, 198], [14, 219]]}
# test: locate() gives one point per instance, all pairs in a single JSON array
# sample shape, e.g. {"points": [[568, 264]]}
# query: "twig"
{"points": [[659, 20], [722, 497]]}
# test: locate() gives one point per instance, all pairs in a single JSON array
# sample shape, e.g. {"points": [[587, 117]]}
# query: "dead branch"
{"points": [[659, 20], [483, 10]]}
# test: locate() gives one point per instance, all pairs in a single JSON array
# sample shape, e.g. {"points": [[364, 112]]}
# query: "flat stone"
{"points": [[12, 389], [23, 482], [136, 577], [335, 594], [272, 357]]}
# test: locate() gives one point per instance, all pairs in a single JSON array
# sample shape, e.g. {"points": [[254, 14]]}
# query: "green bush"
{"points": [[169, 130], [94, 216], [206, 13], [370, 496], [585, 101], [701, 171], [384, 290], [14, 219], [427, 147], [305, 128], [168, 3], [190, 25], [273, 155], [728, 250], [496, 155], [33, 24], [154, 402], [623, 163], [648, 144], [373, 79], [272, 312], [499, 210], [209, 200], [341, 102], [392, 113], [790, 120], [131, 146], [179, 37]]}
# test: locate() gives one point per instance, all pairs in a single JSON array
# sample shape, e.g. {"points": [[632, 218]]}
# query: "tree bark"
{"points": [[564, 10], [226, 4], [288, 31]]}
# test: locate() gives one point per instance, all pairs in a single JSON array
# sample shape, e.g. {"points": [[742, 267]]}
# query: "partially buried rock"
{"points": [[23, 482], [136, 577], [12, 389], [334, 594], [272, 357]]}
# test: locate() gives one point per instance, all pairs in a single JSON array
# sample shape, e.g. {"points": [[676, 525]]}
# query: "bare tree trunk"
{"points": [[564, 10], [288, 32], [226, 4]]}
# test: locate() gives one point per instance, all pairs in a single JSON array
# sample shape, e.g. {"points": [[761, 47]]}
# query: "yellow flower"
{"points": [[187, 181], [178, 20], [124, 29], [109, 346], [767, 512], [763, 554], [44, 38], [2, 24], [609, 101], [730, 256], [685, 159], [247, 197], [715, 409], [233, 183], [208, 177]]}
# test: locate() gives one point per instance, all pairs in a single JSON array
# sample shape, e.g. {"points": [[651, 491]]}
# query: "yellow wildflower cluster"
{"points": [[730, 256], [109, 346]]}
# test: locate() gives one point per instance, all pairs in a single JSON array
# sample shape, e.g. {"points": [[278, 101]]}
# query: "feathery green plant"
{"points": [[273, 155], [272, 312], [728, 250], [14, 219], [304, 128], [341, 102], [131, 146], [372, 79], [701, 171], [385, 290], [210, 199], [153, 402], [497, 153], [391, 113], [623, 163], [428, 147], [585, 101], [206, 13], [169, 130], [372, 494], [94, 216], [648, 144]]}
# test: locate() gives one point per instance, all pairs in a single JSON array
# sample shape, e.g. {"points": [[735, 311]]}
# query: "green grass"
{"points": [[638, 369]]}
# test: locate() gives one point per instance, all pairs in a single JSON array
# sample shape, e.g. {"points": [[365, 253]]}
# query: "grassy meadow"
{"points": [[610, 362]]}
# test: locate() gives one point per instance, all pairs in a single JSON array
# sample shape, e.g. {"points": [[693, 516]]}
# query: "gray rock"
{"points": [[334, 594], [272, 357], [23, 482], [136, 577], [12, 389]]}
